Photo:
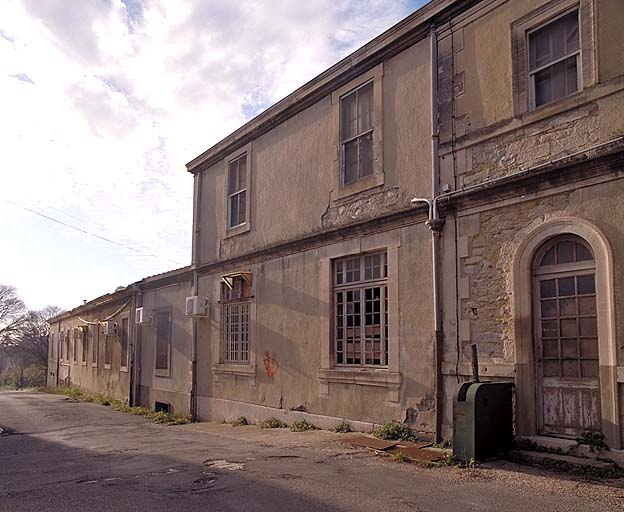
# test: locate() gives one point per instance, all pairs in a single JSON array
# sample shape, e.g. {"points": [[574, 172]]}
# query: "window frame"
{"points": [[361, 286], [244, 227], [95, 346], [533, 21], [123, 365], [163, 372], [377, 178], [358, 135], [74, 346], [576, 53], [243, 303], [237, 192], [84, 353], [108, 352]]}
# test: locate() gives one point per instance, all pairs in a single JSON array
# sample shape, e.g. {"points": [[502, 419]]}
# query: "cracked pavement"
{"points": [[58, 454]]}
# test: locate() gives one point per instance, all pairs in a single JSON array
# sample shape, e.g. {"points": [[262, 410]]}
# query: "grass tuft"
{"points": [[241, 421], [394, 431], [302, 426], [342, 428], [272, 423], [81, 395]]}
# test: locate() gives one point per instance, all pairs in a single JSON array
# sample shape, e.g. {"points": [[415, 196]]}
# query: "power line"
{"points": [[94, 235]]}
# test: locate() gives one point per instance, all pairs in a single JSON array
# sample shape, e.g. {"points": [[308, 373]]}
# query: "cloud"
{"points": [[128, 91]]}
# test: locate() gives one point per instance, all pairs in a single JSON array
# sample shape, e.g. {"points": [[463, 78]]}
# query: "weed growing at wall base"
{"points": [[76, 393]]}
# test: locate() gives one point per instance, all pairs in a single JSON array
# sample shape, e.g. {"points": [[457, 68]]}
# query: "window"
{"points": [[123, 340], [96, 347], [61, 340], [554, 60], [361, 310], [235, 300], [163, 342], [237, 192], [76, 336], [356, 134], [108, 352], [85, 343]]}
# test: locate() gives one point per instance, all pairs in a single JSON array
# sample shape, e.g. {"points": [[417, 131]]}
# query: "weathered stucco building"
{"points": [[336, 292]]}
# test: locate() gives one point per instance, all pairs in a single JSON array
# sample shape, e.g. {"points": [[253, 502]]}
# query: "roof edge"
{"points": [[398, 37]]}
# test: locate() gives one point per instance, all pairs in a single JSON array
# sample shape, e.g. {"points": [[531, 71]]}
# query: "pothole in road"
{"points": [[224, 464]]}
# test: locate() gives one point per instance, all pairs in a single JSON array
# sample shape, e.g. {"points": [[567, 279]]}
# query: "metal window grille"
{"points": [[361, 310], [237, 191], [356, 134], [235, 306], [163, 339], [554, 60]]}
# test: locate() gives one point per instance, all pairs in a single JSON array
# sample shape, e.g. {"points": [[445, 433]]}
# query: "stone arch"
{"points": [[522, 308]]}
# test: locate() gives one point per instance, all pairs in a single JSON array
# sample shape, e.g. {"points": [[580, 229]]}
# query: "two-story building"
{"points": [[456, 181]]}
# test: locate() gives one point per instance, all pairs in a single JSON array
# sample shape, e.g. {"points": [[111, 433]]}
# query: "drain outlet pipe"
{"points": [[195, 334], [435, 225]]}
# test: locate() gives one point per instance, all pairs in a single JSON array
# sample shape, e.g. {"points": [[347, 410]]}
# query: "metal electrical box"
{"points": [[482, 419]]}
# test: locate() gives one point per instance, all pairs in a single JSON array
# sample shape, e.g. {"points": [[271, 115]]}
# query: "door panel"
{"points": [[566, 343]]}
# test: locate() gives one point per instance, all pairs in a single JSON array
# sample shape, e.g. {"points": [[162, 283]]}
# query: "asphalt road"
{"points": [[56, 454]]}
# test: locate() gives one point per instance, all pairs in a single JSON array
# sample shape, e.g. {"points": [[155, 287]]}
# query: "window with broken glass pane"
{"points": [[555, 60], [361, 310], [356, 134], [237, 191], [235, 301]]}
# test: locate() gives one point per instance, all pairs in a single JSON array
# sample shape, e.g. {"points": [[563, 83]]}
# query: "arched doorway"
{"points": [[566, 346]]}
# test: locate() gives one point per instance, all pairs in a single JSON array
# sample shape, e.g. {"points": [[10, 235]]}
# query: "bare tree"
{"points": [[23, 340], [13, 312]]}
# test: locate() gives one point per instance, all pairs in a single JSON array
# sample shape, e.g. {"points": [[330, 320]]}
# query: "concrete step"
{"points": [[568, 447], [582, 466]]}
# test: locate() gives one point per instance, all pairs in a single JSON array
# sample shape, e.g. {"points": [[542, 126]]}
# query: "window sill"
{"points": [[107, 366], [84, 363], [375, 180], [361, 377], [243, 370], [162, 373], [123, 369], [94, 365], [64, 363], [238, 230]]}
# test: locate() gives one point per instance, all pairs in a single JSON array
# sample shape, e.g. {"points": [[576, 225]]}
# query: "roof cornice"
{"points": [[394, 40]]}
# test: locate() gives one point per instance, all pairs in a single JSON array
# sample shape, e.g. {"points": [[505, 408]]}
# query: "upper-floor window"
{"points": [[235, 301], [361, 310], [356, 134], [237, 192], [554, 60]]}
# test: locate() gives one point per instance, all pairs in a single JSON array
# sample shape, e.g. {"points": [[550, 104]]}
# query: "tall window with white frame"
{"points": [[235, 301], [361, 310], [356, 134], [237, 192], [555, 60]]}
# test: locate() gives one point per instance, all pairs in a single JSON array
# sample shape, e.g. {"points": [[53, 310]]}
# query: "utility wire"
{"points": [[94, 235]]}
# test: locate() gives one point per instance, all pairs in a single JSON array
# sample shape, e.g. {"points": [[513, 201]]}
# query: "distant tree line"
{"points": [[23, 341]]}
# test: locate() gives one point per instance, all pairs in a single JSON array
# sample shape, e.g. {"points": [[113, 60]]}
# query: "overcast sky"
{"points": [[103, 102]]}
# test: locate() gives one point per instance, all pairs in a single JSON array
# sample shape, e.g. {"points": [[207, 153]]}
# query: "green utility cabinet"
{"points": [[482, 419]]}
